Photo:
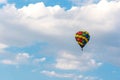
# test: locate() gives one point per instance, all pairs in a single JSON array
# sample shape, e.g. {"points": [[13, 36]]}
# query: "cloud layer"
{"points": [[67, 61], [56, 26]]}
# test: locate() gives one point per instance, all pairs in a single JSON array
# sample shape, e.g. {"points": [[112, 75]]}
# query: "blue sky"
{"points": [[64, 3], [37, 40]]}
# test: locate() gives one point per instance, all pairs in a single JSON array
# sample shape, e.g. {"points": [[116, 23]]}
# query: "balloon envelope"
{"points": [[82, 37]]}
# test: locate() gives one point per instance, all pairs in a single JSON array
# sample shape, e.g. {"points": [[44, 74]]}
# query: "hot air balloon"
{"points": [[82, 38]]}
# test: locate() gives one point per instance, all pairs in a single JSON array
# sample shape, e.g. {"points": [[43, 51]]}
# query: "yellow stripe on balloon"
{"points": [[80, 43], [86, 32], [79, 36]]}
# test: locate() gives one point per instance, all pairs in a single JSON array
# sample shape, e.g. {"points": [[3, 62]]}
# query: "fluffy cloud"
{"points": [[47, 21], [21, 58], [56, 26], [82, 62], [43, 18]]}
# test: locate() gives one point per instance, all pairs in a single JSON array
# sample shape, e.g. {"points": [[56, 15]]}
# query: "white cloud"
{"points": [[2, 46], [38, 60], [114, 0], [21, 58], [54, 74], [81, 77], [83, 2], [3, 1], [68, 76], [8, 62], [56, 26], [67, 61], [42, 17], [34, 11], [47, 20]]}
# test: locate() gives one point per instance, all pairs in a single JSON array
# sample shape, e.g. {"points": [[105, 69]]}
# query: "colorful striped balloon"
{"points": [[82, 37]]}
